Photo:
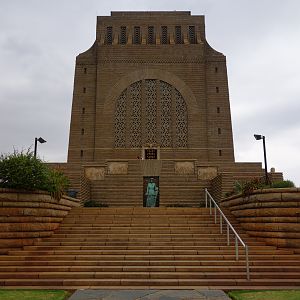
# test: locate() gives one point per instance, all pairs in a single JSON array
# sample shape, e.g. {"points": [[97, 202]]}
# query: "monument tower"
{"points": [[151, 100]]}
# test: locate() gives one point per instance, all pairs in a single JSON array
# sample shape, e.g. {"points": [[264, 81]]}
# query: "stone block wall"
{"points": [[272, 215], [25, 217]]}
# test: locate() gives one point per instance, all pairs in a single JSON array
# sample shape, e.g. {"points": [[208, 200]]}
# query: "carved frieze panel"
{"points": [[117, 168], [207, 173], [94, 173], [184, 167]]}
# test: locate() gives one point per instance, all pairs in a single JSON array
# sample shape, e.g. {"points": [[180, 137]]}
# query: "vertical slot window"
{"points": [[218, 109], [220, 152], [178, 35], [217, 89], [123, 35], [136, 35], [164, 35], [109, 35], [192, 35], [151, 35]]}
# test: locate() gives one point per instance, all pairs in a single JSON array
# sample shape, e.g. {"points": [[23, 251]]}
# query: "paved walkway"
{"points": [[149, 295]]}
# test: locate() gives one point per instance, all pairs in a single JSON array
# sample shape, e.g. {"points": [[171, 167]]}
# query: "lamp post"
{"points": [[262, 137], [40, 140]]}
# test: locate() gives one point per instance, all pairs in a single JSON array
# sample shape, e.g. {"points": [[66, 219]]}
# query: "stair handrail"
{"points": [[229, 226]]}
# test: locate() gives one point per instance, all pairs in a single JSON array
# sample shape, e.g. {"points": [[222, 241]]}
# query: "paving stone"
{"points": [[148, 295]]}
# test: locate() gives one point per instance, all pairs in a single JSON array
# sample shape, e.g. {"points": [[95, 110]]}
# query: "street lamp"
{"points": [[40, 140], [262, 137]]}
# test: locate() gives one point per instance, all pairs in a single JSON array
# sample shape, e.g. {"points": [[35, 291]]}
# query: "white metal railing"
{"points": [[237, 238]]}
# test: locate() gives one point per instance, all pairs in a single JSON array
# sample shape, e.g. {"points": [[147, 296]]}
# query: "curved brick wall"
{"points": [[25, 217], [272, 215]]}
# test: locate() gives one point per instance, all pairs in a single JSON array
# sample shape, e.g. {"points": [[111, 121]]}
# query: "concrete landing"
{"points": [[149, 295]]}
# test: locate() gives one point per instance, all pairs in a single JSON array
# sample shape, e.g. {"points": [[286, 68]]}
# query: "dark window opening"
{"points": [[218, 109], [82, 131], [123, 35], [83, 110], [164, 35], [151, 35], [216, 70], [81, 153], [178, 35], [84, 89], [217, 89], [192, 35], [109, 35], [84, 70], [220, 152], [219, 130], [136, 35]]}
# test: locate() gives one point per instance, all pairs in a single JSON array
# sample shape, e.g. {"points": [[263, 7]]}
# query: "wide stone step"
{"points": [[147, 275], [143, 248], [229, 268], [138, 252], [94, 283], [149, 247], [95, 241], [136, 263]]}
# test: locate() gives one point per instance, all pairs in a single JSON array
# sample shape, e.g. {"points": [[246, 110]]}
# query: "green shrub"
{"points": [[246, 187], [93, 203], [56, 183], [23, 171], [283, 184]]}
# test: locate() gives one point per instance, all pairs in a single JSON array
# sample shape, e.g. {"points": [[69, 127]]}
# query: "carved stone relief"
{"points": [[184, 167], [207, 173], [94, 173], [117, 168]]}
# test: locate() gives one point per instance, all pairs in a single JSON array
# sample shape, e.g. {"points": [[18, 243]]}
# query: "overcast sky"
{"points": [[39, 40]]}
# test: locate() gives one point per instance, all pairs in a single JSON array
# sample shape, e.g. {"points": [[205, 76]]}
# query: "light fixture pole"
{"points": [[262, 137], [40, 140]]}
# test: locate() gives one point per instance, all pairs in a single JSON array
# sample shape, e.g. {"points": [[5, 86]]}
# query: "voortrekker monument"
{"points": [[151, 100]]}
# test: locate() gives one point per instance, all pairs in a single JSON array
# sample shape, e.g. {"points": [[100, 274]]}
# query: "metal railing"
{"points": [[237, 238]]}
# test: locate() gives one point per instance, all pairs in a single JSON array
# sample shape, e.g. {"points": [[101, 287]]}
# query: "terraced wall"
{"points": [[272, 215], [25, 217]]}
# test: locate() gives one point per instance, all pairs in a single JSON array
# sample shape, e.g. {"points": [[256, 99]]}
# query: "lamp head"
{"points": [[258, 136], [41, 140]]}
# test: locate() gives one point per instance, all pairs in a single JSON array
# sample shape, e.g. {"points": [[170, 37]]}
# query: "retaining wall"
{"points": [[25, 217], [272, 215]]}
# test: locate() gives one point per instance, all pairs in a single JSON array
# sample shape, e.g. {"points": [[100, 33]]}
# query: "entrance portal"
{"points": [[146, 181]]}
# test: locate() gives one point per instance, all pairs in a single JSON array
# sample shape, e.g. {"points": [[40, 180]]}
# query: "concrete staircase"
{"points": [[138, 248]]}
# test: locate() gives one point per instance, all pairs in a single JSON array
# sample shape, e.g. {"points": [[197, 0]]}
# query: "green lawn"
{"points": [[34, 295], [265, 295]]}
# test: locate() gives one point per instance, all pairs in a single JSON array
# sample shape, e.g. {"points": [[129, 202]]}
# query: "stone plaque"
{"points": [[95, 173], [184, 167], [118, 168], [207, 173]]}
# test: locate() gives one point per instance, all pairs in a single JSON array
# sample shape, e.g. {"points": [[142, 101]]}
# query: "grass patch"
{"points": [[34, 295], [265, 295]]}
